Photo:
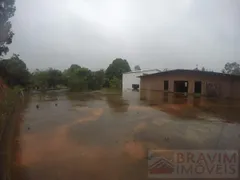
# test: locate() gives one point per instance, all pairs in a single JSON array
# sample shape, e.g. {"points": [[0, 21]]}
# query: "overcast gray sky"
{"points": [[152, 33]]}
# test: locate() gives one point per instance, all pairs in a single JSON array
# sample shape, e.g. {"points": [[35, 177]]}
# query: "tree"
{"points": [[203, 69], [80, 78], [137, 68], [116, 69], [115, 83], [49, 78], [40, 79], [74, 68], [99, 77], [54, 78], [232, 68], [7, 10], [14, 71]]}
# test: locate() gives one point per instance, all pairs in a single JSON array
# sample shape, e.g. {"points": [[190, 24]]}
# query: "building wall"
{"points": [[133, 78], [224, 85], [235, 89], [129, 79]]}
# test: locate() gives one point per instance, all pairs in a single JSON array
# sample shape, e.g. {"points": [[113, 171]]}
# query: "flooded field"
{"points": [[72, 136]]}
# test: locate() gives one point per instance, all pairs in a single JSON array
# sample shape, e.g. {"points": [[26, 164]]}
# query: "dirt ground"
{"points": [[91, 136]]}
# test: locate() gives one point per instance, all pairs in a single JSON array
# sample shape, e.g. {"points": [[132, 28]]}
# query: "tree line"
{"points": [[15, 73], [79, 78]]}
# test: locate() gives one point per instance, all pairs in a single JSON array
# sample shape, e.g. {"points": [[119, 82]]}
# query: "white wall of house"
{"points": [[130, 78]]}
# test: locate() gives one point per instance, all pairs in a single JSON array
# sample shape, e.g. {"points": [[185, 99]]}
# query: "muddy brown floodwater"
{"points": [[74, 136]]}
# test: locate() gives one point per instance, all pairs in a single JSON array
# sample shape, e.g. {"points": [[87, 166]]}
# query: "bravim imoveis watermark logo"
{"points": [[193, 164]]}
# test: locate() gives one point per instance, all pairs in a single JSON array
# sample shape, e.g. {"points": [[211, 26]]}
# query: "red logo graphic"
{"points": [[161, 166]]}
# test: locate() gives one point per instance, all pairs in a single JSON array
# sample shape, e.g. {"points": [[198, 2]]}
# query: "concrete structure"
{"points": [[132, 78], [193, 82]]}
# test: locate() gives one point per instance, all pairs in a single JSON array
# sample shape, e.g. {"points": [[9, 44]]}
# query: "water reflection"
{"points": [[117, 102], [192, 106]]}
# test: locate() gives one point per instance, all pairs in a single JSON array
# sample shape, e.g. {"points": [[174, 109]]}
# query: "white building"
{"points": [[132, 78]]}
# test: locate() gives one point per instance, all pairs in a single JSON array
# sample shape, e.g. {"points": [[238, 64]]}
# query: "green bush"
{"points": [[115, 83]]}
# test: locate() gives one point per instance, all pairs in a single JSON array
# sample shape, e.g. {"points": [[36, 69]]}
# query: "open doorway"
{"points": [[181, 86], [165, 85], [198, 87]]}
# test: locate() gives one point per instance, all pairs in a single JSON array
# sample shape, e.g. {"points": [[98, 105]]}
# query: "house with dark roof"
{"points": [[204, 83]]}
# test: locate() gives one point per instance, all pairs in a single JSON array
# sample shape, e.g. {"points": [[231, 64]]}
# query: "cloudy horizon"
{"points": [[153, 34]]}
